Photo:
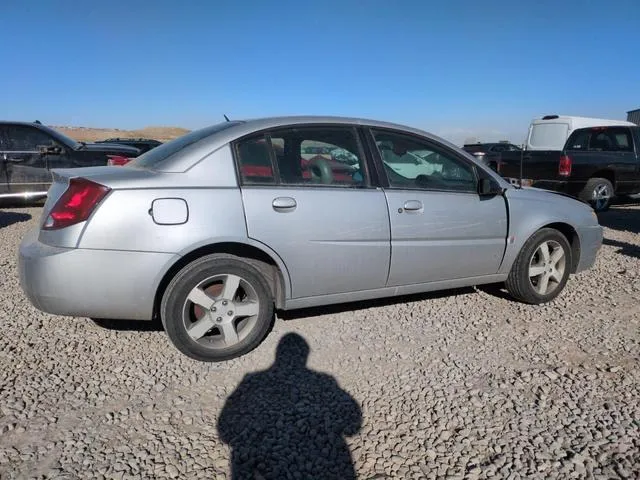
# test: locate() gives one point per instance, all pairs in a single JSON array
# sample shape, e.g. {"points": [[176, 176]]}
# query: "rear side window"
{"points": [[255, 162], [601, 139], [548, 136]]}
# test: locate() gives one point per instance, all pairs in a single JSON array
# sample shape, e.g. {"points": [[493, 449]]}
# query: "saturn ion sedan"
{"points": [[215, 230]]}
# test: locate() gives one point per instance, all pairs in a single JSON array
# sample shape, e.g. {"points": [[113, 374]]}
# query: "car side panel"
{"points": [[531, 209], [212, 213]]}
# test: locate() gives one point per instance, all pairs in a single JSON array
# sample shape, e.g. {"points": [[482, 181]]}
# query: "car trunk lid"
{"points": [[112, 177]]}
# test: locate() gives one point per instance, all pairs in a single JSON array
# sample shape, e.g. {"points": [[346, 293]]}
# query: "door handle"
{"points": [[413, 205], [284, 204]]}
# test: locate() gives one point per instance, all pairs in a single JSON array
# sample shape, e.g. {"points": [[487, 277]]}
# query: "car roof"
{"points": [[243, 127], [29, 124]]}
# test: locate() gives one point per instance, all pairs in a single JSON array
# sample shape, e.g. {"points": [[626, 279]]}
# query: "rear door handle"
{"points": [[284, 204], [413, 205]]}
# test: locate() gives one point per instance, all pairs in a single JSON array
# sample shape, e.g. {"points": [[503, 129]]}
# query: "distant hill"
{"points": [[85, 134]]}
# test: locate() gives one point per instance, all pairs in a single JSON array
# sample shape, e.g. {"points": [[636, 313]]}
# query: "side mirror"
{"points": [[487, 187]]}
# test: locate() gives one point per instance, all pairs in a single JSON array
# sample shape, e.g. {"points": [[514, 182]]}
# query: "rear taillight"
{"points": [[564, 167], [117, 160], [76, 203]]}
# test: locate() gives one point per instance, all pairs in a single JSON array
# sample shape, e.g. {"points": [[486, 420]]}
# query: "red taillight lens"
{"points": [[117, 160], [564, 167], [76, 203]]}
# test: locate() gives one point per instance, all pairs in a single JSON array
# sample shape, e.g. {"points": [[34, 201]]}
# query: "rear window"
{"points": [[475, 148], [162, 152], [548, 136]]}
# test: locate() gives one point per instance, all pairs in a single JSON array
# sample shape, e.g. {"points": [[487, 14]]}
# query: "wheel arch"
{"points": [[263, 258], [605, 173], [568, 230], [572, 237]]}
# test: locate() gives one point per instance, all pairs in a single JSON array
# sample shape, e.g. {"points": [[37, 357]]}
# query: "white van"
{"points": [[551, 131]]}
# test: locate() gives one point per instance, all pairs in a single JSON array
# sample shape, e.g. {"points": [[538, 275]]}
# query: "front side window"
{"points": [[413, 164], [27, 139], [313, 156]]}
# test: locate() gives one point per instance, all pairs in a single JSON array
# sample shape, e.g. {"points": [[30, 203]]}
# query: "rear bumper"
{"points": [[590, 243], [90, 283]]}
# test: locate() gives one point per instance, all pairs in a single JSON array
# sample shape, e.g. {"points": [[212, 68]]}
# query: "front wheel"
{"points": [[541, 269], [217, 308], [598, 192]]}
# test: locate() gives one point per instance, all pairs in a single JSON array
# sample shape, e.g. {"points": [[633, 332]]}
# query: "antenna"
{"points": [[226, 118]]}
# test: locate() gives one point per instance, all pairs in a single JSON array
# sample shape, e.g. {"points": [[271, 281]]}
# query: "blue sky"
{"points": [[456, 68]]}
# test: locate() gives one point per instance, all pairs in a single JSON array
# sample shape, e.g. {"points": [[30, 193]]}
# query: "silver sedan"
{"points": [[213, 231]]}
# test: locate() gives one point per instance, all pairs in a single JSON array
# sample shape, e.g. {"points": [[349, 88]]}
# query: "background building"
{"points": [[634, 116]]}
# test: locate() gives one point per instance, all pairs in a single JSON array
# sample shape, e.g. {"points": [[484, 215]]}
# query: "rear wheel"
{"points": [[598, 192], [541, 269], [217, 308]]}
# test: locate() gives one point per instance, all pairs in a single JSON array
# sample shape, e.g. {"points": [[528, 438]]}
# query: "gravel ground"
{"points": [[460, 384]]}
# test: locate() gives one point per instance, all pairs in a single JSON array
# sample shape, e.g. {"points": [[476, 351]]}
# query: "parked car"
{"points": [[595, 165], [552, 131], [142, 144], [188, 234], [29, 151], [490, 153]]}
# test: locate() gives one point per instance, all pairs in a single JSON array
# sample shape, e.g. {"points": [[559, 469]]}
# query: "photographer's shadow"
{"points": [[289, 421]]}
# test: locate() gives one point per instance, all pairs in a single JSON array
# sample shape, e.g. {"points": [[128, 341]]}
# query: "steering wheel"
{"points": [[321, 171]]}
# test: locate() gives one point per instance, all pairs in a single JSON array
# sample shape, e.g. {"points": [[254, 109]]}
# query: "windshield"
{"points": [[61, 137], [159, 154]]}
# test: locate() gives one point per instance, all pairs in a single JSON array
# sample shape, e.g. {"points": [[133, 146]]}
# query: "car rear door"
{"points": [[331, 230], [441, 229]]}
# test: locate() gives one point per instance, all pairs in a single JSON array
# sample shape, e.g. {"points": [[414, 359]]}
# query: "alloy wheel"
{"points": [[547, 267]]}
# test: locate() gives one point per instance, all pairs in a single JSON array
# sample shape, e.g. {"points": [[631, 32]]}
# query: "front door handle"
{"points": [[284, 204], [413, 205]]}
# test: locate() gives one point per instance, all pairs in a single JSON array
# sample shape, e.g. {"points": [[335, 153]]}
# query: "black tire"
{"points": [[519, 283], [592, 186], [174, 298]]}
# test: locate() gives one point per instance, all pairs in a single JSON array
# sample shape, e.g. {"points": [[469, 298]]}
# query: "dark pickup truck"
{"points": [[596, 164], [142, 144], [29, 151]]}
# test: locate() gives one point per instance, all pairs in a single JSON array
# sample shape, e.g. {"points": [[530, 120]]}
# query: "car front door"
{"points": [[441, 228], [26, 162], [319, 215]]}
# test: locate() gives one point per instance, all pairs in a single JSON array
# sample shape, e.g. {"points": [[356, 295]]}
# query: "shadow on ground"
{"points": [[624, 248], [129, 325], [156, 325], [622, 219], [9, 218], [290, 421]]}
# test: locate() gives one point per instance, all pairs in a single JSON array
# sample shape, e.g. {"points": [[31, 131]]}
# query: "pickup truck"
{"points": [[30, 150], [595, 165]]}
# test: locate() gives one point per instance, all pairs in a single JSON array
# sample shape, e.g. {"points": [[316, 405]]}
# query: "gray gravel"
{"points": [[464, 384]]}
